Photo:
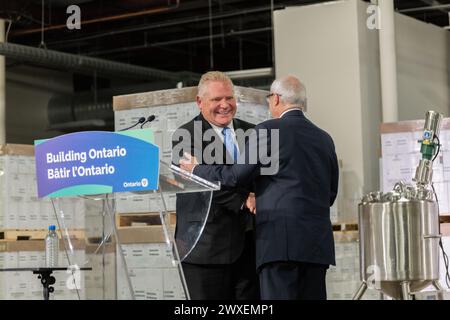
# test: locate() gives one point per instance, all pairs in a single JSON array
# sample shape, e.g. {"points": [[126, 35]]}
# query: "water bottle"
{"points": [[51, 247]]}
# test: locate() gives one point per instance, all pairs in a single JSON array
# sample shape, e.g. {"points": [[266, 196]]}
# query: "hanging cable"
{"points": [[444, 254], [42, 44], [438, 147], [211, 45], [273, 33]]}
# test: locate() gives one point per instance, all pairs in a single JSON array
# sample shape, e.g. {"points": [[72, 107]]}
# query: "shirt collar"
{"points": [[219, 129], [291, 109]]}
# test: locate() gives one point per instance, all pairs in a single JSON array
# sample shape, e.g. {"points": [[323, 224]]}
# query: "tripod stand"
{"points": [[45, 275], [47, 280]]}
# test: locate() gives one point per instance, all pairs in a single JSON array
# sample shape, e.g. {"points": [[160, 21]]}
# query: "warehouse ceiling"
{"points": [[172, 35]]}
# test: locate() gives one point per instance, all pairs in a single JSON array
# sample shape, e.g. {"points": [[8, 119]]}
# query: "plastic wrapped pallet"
{"points": [[343, 279], [151, 268], [19, 206], [100, 282], [25, 285], [401, 154]]}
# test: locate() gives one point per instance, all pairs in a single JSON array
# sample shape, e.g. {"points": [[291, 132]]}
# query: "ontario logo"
{"points": [[142, 183]]}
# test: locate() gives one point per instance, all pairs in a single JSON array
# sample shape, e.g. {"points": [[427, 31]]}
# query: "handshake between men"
{"points": [[189, 162], [295, 183]]}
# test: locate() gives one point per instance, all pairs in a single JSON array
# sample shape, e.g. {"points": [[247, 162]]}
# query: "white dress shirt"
{"points": [[218, 131]]}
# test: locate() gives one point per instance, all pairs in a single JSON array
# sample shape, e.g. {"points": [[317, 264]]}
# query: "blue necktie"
{"points": [[229, 143]]}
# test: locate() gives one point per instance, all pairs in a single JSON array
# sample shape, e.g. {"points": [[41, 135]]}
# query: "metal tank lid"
{"points": [[400, 192]]}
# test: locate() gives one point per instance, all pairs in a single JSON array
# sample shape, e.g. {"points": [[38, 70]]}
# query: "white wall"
{"points": [[319, 44], [423, 65], [331, 49], [28, 91]]}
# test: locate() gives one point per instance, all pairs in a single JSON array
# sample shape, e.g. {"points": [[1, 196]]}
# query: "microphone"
{"points": [[141, 120], [149, 119]]}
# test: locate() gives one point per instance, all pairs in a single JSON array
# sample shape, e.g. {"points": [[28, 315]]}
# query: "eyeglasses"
{"points": [[272, 94]]}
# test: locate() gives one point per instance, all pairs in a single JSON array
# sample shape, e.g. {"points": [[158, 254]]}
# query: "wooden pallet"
{"points": [[24, 234], [130, 220], [98, 240], [345, 227]]}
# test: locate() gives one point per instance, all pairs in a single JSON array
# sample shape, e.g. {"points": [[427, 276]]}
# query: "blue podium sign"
{"points": [[95, 162]]}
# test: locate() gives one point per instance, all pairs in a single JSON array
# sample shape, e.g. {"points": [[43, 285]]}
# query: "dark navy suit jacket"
{"points": [[223, 237], [292, 205]]}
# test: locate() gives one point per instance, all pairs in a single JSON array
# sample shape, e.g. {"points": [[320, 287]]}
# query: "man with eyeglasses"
{"points": [[221, 264], [294, 237]]}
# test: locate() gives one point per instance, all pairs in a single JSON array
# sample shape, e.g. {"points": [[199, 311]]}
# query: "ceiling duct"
{"points": [[67, 61], [89, 110], [80, 112]]}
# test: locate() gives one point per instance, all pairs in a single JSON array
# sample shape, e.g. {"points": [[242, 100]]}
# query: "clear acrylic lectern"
{"points": [[131, 246]]}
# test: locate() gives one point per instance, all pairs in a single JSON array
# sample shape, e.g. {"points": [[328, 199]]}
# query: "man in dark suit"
{"points": [[221, 264], [294, 238]]}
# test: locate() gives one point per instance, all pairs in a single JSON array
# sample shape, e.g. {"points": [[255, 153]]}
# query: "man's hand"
{"points": [[188, 162], [251, 203]]}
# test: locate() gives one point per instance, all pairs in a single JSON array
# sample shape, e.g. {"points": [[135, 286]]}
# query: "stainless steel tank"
{"points": [[399, 240]]}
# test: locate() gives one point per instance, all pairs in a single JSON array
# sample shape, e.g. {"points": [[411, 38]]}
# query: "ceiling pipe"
{"points": [[103, 19], [429, 8], [178, 22], [250, 73], [388, 62], [62, 60], [179, 41], [91, 110]]}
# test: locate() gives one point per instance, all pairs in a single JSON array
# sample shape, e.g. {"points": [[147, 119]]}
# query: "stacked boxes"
{"points": [[153, 271], [343, 280], [100, 282], [19, 206], [401, 155], [31, 254], [97, 223], [23, 214]]}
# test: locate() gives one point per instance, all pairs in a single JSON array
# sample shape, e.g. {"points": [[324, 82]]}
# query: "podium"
{"points": [[148, 257], [122, 242]]}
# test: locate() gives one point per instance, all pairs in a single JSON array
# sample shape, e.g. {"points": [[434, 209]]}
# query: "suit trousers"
{"points": [[292, 280], [235, 281]]}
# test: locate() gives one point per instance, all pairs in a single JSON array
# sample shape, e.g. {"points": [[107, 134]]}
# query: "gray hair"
{"points": [[212, 76], [291, 91]]}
